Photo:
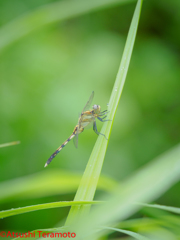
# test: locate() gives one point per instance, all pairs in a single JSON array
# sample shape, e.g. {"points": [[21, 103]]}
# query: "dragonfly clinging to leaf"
{"points": [[86, 119]]}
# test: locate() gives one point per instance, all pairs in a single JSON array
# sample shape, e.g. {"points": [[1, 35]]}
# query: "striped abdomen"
{"points": [[61, 147]]}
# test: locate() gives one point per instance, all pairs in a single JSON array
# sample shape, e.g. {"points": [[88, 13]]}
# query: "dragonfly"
{"points": [[87, 119]]}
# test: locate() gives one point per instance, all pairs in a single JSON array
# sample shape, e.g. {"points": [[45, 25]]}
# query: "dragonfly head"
{"points": [[97, 109]]}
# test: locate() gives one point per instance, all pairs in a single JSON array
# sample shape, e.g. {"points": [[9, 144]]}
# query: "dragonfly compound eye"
{"points": [[97, 108]]}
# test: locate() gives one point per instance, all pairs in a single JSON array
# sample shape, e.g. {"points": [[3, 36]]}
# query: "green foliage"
{"points": [[43, 184], [92, 172], [46, 76], [13, 212]]}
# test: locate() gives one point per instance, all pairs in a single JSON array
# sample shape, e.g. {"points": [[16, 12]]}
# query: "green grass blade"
{"points": [[49, 14], [166, 208], [92, 172], [139, 224], [47, 183], [9, 144], [146, 185], [130, 233], [16, 211]]}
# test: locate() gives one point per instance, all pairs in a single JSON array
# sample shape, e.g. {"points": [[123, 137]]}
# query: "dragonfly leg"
{"points": [[102, 119], [96, 131], [104, 113]]}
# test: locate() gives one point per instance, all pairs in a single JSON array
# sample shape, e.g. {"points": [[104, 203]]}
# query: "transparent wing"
{"points": [[88, 104], [90, 124], [75, 139], [86, 107]]}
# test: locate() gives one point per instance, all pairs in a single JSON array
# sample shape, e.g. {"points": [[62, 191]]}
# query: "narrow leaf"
{"points": [[9, 144], [146, 185], [92, 172], [130, 233], [49, 14], [47, 183], [166, 208], [16, 211]]}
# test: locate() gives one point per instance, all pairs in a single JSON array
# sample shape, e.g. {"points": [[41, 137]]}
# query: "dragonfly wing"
{"points": [[75, 139], [88, 104], [89, 125]]}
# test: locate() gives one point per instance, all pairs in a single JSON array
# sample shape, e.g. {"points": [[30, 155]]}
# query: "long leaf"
{"points": [[16, 211], [46, 183], [49, 14], [146, 185], [166, 208], [92, 172], [130, 233], [9, 144]]}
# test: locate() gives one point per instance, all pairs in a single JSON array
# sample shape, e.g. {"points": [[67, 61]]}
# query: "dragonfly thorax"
{"points": [[97, 109]]}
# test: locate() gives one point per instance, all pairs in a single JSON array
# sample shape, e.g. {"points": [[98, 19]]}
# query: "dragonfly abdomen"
{"points": [[59, 149]]}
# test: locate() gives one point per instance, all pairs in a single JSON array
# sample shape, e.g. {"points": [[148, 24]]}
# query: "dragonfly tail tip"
{"points": [[45, 165]]}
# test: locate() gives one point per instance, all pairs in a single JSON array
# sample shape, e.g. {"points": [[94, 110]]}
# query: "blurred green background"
{"points": [[47, 76]]}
